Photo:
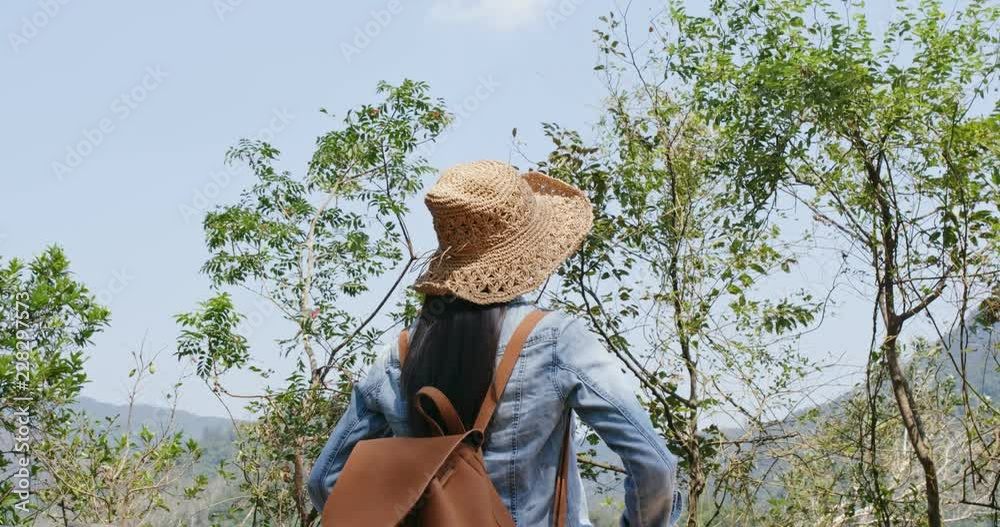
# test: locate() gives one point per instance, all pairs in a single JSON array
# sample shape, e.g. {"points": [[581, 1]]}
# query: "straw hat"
{"points": [[500, 234]]}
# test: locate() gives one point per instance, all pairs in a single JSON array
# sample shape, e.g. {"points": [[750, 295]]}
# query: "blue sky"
{"points": [[119, 114]]}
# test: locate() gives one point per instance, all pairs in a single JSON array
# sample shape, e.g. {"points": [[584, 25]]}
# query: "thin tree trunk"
{"points": [[914, 428], [894, 325], [300, 492], [696, 470], [696, 476]]}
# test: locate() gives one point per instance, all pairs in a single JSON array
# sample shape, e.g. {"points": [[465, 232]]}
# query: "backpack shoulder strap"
{"points": [[560, 509], [500, 378], [506, 367]]}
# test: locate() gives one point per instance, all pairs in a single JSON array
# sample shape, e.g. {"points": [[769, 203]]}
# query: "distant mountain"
{"points": [[215, 435], [155, 418], [982, 368]]}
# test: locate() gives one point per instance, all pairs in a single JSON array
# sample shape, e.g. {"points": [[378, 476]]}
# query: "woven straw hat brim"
{"points": [[522, 262]]}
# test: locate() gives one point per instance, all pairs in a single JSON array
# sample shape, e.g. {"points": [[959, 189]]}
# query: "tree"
{"points": [[827, 478], [46, 320], [883, 138], [116, 470], [672, 277], [308, 246], [62, 466]]}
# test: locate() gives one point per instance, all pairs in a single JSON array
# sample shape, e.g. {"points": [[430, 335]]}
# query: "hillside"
{"points": [[155, 417], [981, 361], [606, 493]]}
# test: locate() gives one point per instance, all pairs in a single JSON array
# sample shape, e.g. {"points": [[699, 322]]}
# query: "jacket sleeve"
{"points": [[593, 384], [359, 422]]}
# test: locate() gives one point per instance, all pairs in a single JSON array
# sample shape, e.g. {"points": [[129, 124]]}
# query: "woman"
{"points": [[501, 235]]}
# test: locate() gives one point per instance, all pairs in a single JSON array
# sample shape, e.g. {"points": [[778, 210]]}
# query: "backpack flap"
{"points": [[384, 478]]}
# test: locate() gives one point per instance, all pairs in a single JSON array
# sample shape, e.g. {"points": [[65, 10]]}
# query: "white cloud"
{"points": [[503, 15]]}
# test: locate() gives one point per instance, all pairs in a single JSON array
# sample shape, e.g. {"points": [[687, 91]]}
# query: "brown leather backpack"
{"points": [[438, 481]]}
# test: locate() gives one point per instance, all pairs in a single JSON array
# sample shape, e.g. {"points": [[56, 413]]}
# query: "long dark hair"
{"points": [[454, 349]]}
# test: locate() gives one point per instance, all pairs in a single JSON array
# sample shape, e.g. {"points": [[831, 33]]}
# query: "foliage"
{"points": [[884, 139], [723, 125], [827, 478], [309, 246], [213, 327], [116, 471], [673, 276], [79, 470], [46, 319]]}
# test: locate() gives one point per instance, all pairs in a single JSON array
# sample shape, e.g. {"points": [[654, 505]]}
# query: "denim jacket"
{"points": [[562, 365]]}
